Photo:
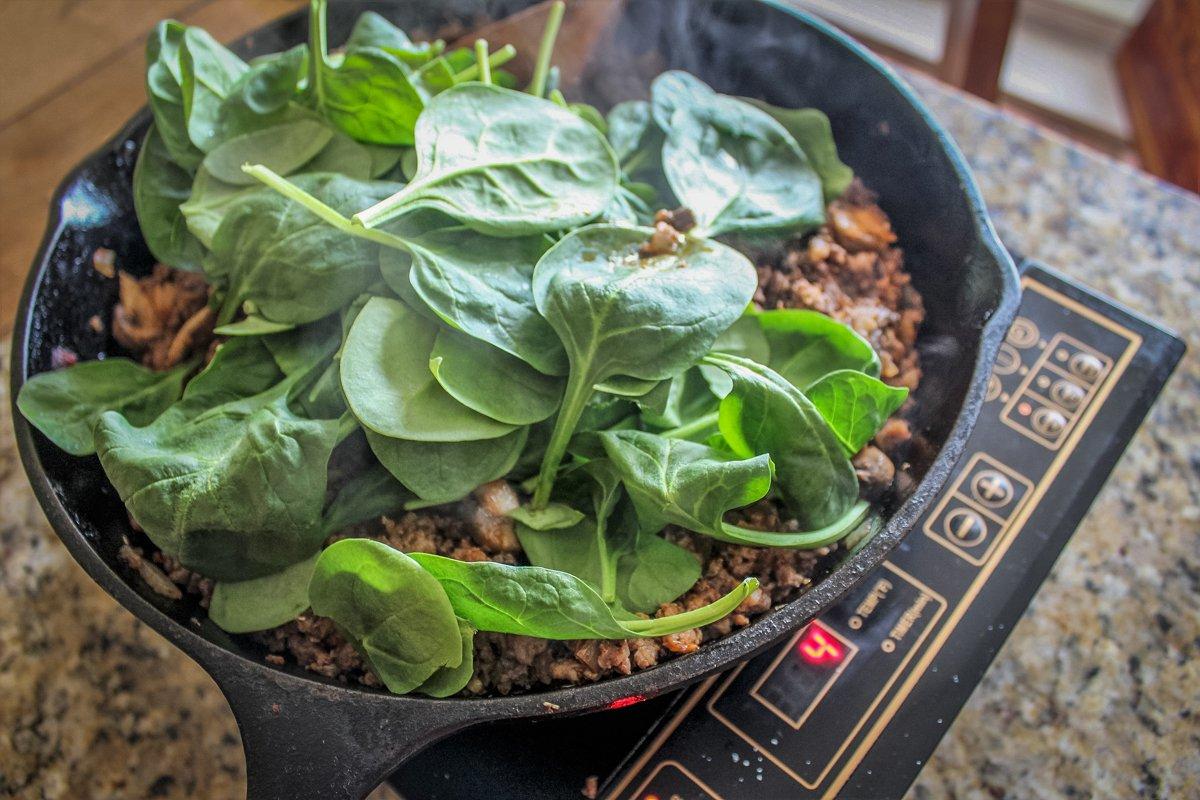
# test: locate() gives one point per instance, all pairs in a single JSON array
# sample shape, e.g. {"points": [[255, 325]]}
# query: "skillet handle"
{"points": [[309, 741]]}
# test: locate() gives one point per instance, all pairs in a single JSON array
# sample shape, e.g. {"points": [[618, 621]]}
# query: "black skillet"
{"points": [[306, 737]]}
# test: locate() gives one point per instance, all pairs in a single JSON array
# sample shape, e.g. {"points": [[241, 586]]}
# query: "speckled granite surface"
{"points": [[95, 705]]}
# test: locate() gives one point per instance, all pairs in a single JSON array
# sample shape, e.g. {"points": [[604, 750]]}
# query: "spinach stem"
{"points": [[697, 617], [318, 46], [698, 425], [608, 575], [494, 61], [578, 391], [541, 69], [326, 213], [557, 98], [481, 60]]}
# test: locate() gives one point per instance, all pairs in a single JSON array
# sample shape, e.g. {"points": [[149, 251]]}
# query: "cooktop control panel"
{"points": [[853, 704]]}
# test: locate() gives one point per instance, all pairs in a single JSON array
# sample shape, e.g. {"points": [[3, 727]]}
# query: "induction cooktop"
{"points": [[855, 703]]}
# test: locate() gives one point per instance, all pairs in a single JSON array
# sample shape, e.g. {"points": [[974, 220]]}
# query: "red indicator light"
{"points": [[818, 646], [650, 797], [622, 702], [1024, 409]]}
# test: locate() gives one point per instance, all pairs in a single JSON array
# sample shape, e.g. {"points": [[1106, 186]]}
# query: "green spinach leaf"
{"points": [[231, 435], [451, 680], [396, 615], [764, 413], [504, 163], [159, 186], [258, 604], [804, 345], [732, 164], [639, 570], [855, 405], [532, 601], [442, 472], [389, 386], [812, 131], [65, 404], [478, 284], [209, 72], [618, 314], [490, 381], [164, 89], [370, 493], [284, 148], [286, 261]]}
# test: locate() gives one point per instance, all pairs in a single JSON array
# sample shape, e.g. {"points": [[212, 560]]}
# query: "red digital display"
{"points": [[818, 646], [624, 702]]}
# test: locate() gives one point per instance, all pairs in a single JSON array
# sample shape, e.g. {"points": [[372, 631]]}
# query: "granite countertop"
{"points": [[95, 704]]}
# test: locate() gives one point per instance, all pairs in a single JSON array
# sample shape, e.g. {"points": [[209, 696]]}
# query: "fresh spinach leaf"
{"points": [[812, 131], [263, 96], [553, 517], [258, 604], [159, 186], [64, 404], [504, 163], [490, 381], [186, 478], [855, 405], [805, 345], [672, 481], [302, 348], [253, 326], [478, 284], [396, 615], [442, 472], [733, 165], [365, 92], [210, 200], [388, 384], [283, 148], [451, 680], [164, 82], [764, 413], [618, 314], [639, 570], [692, 485], [532, 601], [209, 72], [286, 261], [370, 493]]}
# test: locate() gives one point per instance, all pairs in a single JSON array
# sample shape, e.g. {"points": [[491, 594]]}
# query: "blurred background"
{"points": [[1120, 76]]}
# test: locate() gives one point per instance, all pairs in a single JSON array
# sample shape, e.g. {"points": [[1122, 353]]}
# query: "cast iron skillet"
{"points": [[306, 737]]}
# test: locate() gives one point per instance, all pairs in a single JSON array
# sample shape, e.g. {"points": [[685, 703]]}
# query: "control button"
{"points": [[1067, 394], [1023, 333], [1048, 422], [965, 527], [991, 488], [1007, 360], [1086, 366]]}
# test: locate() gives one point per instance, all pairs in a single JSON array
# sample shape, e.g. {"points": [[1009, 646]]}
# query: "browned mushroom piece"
{"points": [[874, 469], [664, 241], [489, 523], [860, 227], [163, 317]]}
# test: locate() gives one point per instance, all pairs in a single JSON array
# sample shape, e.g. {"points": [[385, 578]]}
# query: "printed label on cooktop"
{"points": [[808, 704]]}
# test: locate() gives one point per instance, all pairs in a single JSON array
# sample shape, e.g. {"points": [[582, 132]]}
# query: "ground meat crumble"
{"points": [[849, 268]]}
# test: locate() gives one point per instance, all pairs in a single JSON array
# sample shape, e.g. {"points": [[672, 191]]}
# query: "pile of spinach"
{"points": [[415, 261]]}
